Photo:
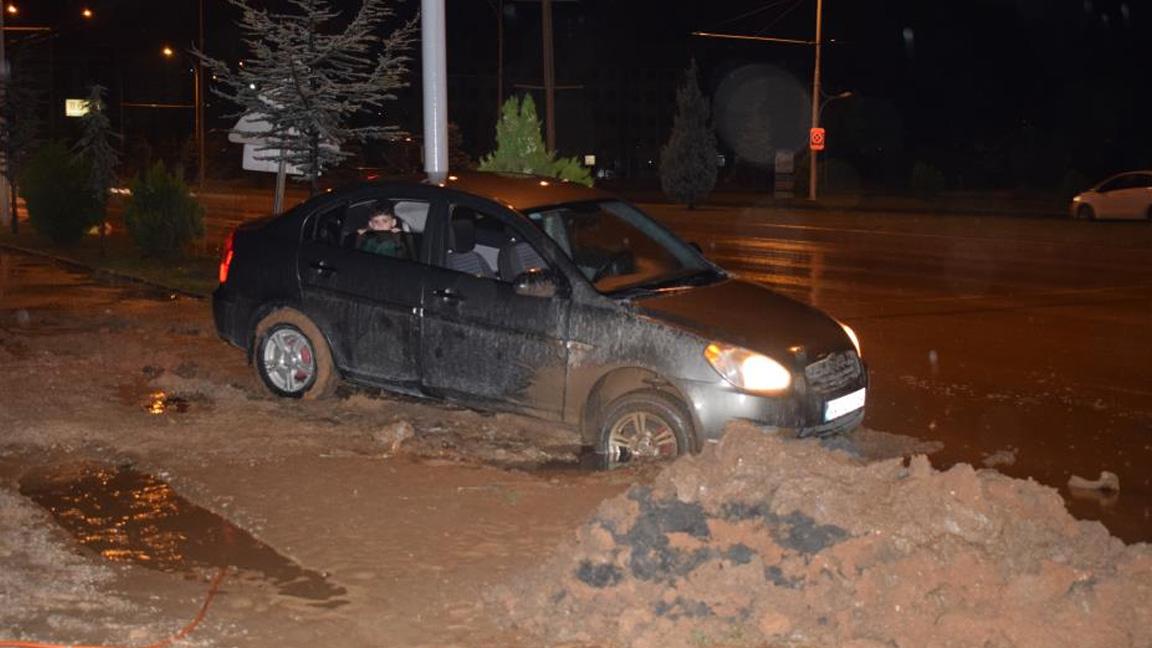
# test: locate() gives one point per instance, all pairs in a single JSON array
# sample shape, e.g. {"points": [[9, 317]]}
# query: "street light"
{"points": [[87, 13], [197, 112], [12, 9]]}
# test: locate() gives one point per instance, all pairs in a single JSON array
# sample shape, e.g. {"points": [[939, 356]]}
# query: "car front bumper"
{"points": [[714, 405]]}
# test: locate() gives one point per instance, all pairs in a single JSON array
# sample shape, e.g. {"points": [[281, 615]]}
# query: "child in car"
{"points": [[383, 234]]}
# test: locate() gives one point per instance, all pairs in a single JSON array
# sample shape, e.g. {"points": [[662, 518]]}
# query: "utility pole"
{"points": [[199, 92], [812, 153], [549, 75], [6, 215]]}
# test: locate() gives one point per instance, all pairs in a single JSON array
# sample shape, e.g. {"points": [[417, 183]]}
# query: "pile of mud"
{"points": [[761, 541]]}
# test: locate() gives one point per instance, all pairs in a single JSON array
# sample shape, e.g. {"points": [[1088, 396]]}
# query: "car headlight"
{"points": [[851, 336], [746, 369]]}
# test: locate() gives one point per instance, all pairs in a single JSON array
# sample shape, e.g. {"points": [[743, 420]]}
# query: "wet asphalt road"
{"points": [[1021, 343]]}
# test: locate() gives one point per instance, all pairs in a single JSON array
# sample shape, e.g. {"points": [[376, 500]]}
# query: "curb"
{"points": [[101, 272]]}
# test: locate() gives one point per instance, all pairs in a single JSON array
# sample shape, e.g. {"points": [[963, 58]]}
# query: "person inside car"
{"points": [[383, 234]]}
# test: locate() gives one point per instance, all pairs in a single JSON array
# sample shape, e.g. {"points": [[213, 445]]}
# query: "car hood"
{"points": [[749, 315]]}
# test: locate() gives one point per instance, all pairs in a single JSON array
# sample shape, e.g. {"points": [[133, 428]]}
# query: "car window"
{"points": [[346, 225], [1126, 181], [486, 245], [616, 246], [1143, 180]]}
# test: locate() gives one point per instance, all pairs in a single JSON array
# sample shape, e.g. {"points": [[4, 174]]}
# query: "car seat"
{"points": [[462, 254], [517, 257]]}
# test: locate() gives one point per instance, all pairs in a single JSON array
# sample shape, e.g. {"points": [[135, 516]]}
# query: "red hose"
{"points": [[184, 632]]}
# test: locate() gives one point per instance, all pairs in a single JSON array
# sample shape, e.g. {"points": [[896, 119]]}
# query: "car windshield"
{"points": [[620, 249]]}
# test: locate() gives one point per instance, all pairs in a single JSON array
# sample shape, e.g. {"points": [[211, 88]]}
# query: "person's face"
{"points": [[382, 222]]}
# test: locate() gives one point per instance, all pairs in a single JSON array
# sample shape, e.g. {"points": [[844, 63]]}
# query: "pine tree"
{"points": [[520, 146], [688, 160], [95, 147], [19, 128], [308, 79]]}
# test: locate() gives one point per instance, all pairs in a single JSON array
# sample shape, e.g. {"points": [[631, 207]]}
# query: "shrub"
{"points": [[927, 180], [161, 216], [55, 187]]}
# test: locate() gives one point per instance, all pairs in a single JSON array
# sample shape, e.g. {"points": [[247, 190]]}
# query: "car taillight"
{"points": [[226, 256]]}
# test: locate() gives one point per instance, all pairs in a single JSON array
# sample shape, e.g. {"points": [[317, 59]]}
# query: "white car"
{"points": [[1125, 196]]}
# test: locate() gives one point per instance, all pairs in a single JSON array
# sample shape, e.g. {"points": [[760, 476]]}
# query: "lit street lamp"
{"points": [[197, 112]]}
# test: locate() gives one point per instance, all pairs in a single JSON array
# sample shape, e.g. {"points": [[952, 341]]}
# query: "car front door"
{"points": [[368, 302], [482, 339]]}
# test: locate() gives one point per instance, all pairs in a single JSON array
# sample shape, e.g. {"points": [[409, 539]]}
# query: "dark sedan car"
{"points": [[541, 297]]}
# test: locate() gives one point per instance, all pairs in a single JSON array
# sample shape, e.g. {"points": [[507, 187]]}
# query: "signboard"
{"points": [[785, 173], [75, 107], [816, 139]]}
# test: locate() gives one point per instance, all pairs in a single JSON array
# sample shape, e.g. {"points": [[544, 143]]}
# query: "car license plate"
{"points": [[838, 407]]}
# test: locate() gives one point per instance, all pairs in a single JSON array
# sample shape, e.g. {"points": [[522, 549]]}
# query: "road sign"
{"points": [[816, 139]]}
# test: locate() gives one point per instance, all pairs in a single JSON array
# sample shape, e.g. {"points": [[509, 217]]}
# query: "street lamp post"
{"points": [[197, 111], [6, 215], [813, 154]]}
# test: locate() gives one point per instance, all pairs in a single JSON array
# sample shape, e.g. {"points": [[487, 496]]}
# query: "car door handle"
{"points": [[322, 267], [448, 295]]}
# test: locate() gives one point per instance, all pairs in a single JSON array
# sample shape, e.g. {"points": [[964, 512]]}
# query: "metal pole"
{"points": [[434, 49], [499, 58], [200, 99], [813, 156], [6, 215], [549, 76]]}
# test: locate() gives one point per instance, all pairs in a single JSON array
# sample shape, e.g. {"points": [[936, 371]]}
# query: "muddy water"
{"points": [[126, 515]]}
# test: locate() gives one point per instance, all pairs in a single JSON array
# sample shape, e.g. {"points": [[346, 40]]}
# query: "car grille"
{"points": [[834, 372]]}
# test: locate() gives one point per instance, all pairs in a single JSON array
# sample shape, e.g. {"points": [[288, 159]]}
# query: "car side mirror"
{"points": [[537, 282]]}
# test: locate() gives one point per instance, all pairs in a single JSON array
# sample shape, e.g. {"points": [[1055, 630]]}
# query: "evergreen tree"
{"points": [[19, 128], [688, 160], [95, 147], [308, 78], [520, 146]]}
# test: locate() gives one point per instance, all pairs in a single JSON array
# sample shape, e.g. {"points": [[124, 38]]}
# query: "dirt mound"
{"points": [[761, 541]]}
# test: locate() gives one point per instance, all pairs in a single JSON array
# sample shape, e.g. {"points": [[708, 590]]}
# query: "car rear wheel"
{"points": [[1085, 212], [643, 426], [292, 358]]}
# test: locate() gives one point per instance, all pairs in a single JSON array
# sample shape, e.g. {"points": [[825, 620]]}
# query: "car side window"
{"points": [[347, 225], [1143, 181], [484, 245]]}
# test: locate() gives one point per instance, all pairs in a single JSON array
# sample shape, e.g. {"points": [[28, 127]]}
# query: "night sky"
{"points": [[994, 92]]}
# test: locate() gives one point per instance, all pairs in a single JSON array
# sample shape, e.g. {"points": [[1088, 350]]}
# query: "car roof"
{"points": [[521, 192]]}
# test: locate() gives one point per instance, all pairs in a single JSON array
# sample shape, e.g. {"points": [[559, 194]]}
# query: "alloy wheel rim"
{"points": [[288, 360], [641, 436]]}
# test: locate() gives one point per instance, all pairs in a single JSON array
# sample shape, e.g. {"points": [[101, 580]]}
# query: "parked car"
{"points": [[537, 296], [1125, 196]]}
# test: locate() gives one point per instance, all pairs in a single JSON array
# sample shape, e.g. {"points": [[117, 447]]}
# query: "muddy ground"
{"points": [[376, 521]]}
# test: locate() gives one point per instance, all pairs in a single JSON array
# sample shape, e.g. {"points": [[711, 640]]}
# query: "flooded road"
{"points": [[1018, 343]]}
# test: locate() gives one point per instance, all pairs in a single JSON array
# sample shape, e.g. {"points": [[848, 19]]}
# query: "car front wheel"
{"points": [[292, 358], [643, 426], [1085, 212]]}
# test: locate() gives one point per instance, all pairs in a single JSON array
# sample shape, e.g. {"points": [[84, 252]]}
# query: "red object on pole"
{"points": [[816, 139]]}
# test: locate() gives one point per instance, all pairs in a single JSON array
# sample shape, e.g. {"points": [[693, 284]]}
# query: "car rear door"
{"points": [[368, 303], [480, 340]]}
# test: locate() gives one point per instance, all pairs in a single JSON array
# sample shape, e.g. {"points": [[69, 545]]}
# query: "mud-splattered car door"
{"points": [[482, 340], [368, 303]]}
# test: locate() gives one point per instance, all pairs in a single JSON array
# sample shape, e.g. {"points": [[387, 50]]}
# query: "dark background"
{"points": [[1043, 95]]}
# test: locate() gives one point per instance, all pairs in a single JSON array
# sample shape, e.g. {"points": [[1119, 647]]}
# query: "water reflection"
{"points": [[126, 515]]}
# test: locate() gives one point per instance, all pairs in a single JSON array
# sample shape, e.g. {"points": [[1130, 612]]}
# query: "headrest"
{"points": [[463, 235]]}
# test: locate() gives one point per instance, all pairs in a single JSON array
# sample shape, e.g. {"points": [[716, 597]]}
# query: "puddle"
{"points": [[138, 395], [125, 515]]}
